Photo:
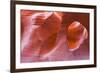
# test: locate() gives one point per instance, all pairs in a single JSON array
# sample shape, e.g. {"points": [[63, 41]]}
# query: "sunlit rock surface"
{"points": [[76, 34]]}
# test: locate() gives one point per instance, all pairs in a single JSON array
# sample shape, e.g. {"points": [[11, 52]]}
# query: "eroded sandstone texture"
{"points": [[76, 34], [46, 36]]}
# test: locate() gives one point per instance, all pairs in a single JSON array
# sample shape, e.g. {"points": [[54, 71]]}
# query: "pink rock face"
{"points": [[39, 32], [44, 39]]}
